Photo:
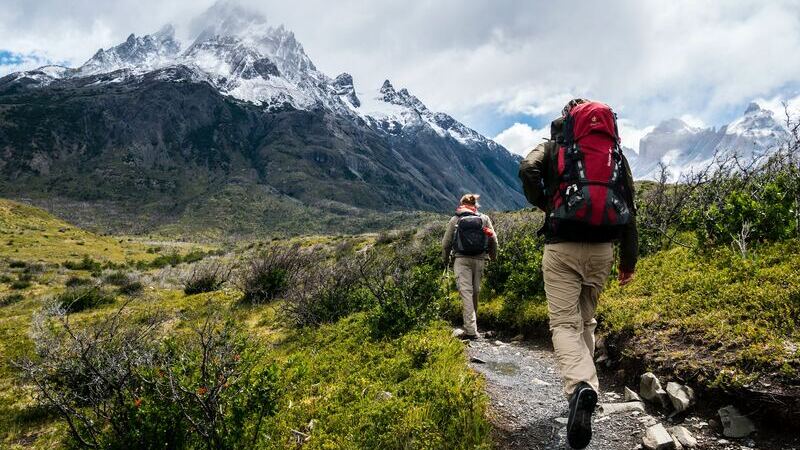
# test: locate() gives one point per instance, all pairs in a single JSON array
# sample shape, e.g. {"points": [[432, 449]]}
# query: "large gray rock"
{"points": [[684, 436], [682, 397], [657, 438], [734, 424], [650, 389], [616, 408], [631, 396]]}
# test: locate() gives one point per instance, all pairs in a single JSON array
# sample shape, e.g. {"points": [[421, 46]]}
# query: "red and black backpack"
{"points": [[589, 184]]}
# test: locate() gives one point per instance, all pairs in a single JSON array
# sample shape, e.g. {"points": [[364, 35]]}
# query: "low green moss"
{"points": [[742, 312]]}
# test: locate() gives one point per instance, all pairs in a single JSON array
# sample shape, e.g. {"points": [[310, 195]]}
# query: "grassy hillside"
{"points": [[358, 379], [716, 317], [32, 234]]}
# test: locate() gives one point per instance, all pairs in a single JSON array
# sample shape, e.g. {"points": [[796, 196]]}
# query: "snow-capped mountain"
{"points": [[244, 57], [155, 121], [683, 147], [137, 53]]}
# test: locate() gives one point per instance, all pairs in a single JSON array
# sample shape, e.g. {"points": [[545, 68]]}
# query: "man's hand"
{"points": [[625, 277]]}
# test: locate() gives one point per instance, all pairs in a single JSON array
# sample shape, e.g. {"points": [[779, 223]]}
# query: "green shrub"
{"points": [[84, 297], [327, 292], [23, 283], [117, 278], [86, 263], [34, 269], [6, 278], [127, 284], [11, 299], [119, 384], [15, 264], [132, 287], [270, 274], [206, 278], [517, 271], [77, 281], [174, 258], [764, 210], [406, 296]]}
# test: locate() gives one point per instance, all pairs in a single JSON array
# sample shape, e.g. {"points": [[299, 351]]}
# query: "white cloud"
{"points": [[521, 138], [650, 60], [693, 121], [780, 105]]}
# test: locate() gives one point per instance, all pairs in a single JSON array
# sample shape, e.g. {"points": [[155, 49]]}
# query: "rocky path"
{"points": [[528, 409]]}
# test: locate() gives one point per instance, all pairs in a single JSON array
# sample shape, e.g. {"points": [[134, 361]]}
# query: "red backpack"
{"points": [[590, 172]]}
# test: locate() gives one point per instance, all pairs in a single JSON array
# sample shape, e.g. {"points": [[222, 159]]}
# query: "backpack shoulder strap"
{"points": [[551, 169]]}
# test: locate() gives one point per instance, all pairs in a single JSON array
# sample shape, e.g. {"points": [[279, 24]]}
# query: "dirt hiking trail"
{"points": [[529, 410]]}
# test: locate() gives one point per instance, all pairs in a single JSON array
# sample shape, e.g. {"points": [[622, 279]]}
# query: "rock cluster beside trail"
{"points": [[734, 423], [678, 399]]}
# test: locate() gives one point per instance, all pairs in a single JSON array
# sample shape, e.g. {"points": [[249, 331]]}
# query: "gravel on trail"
{"points": [[528, 409]]}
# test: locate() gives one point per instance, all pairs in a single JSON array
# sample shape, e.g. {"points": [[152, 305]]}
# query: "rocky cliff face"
{"points": [[148, 125]]}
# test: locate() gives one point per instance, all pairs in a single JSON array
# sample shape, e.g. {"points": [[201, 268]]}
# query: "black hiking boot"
{"points": [[579, 424]]}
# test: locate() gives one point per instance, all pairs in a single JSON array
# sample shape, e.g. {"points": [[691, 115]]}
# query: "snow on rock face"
{"points": [[242, 56], [393, 110], [684, 148], [343, 87], [142, 53]]}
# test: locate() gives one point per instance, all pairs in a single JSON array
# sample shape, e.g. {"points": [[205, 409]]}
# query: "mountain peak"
{"points": [[752, 108], [342, 85], [387, 88], [671, 126], [147, 52]]}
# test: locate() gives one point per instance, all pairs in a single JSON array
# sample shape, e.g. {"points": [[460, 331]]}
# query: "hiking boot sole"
{"points": [[579, 429]]}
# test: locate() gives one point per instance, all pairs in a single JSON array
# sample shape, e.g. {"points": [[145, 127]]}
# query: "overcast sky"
{"points": [[503, 67]]}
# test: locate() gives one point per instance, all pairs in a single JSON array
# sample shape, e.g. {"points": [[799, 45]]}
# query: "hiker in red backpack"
{"points": [[583, 183], [471, 238]]}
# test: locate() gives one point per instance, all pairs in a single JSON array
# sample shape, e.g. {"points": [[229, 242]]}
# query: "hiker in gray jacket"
{"points": [[471, 238]]}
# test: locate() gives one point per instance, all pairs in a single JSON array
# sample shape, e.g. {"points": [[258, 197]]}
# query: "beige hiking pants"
{"points": [[574, 275], [468, 280]]}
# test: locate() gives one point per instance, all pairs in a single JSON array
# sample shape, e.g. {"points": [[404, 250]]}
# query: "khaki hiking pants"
{"points": [[574, 275], [468, 280]]}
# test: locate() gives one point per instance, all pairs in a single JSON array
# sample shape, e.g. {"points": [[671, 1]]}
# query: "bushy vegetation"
{"points": [[10, 299], [174, 258], [269, 274], [206, 278], [83, 297], [87, 263], [122, 383], [328, 291]]}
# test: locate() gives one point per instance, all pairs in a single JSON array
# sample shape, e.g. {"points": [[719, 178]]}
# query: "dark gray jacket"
{"points": [[539, 178]]}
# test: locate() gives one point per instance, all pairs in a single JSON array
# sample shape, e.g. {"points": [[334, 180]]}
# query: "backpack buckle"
{"points": [[571, 189]]}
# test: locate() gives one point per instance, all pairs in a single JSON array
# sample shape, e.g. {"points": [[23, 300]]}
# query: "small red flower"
{"points": [[202, 390], [137, 403]]}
